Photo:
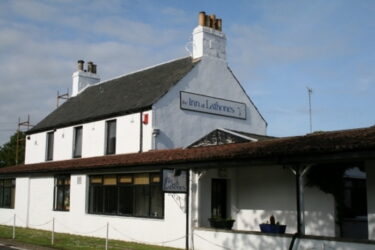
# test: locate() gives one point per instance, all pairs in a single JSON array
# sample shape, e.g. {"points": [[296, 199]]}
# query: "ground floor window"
{"points": [[127, 194], [7, 193], [62, 193]]}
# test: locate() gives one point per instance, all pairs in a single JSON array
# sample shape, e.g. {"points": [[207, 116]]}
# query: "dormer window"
{"points": [[49, 146], [77, 144], [110, 137]]}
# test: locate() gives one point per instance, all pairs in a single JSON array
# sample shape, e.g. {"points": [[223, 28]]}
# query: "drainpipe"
{"points": [[141, 133]]}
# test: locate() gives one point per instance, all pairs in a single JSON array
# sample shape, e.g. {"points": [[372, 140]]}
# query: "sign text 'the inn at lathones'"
{"points": [[212, 105]]}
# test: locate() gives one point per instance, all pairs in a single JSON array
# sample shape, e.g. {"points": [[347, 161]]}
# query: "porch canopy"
{"points": [[315, 148]]}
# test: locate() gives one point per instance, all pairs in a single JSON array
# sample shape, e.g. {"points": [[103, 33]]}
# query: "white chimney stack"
{"points": [[84, 78], [208, 38]]}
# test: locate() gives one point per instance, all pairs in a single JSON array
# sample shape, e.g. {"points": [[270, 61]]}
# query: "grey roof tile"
{"points": [[127, 94]]}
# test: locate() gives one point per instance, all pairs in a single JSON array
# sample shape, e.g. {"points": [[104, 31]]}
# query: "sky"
{"points": [[275, 48]]}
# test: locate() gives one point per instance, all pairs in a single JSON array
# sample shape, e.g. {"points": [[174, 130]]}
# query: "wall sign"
{"points": [[174, 181], [212, 105]]}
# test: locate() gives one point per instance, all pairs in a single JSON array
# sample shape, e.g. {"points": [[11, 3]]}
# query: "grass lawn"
{"points": [[69, 241]]}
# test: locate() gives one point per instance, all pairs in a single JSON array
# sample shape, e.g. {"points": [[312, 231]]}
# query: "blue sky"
{"points": [[275, 48]]}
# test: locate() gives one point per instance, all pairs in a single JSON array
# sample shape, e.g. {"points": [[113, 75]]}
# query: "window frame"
{"points": [[107, 137], [50, 140], [118, 186], [12, 193], [61, 188], [74, 153]]}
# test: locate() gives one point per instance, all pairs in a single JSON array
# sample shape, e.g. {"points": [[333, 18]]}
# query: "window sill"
{"points": [[127, 216]]}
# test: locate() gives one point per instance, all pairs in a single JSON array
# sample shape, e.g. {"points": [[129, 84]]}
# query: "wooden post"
{"points": [[14, 226], [53, 232], [106, 237]]}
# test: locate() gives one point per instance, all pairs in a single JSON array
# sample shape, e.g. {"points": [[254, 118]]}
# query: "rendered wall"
{"points": [[180, 128], [270, 190], [37, 212], [370, 171], [93, 139], [256, 193]]}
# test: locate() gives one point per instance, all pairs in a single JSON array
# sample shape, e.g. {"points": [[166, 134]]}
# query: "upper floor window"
{"points": [[62, 193], [77, 144], [7, 193], [49, 148], [110, 137]]}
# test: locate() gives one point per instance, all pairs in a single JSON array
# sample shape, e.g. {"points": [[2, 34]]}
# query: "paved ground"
{"points": [[7, 244]]}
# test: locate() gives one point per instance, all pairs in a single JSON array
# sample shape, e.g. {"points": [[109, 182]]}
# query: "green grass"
{"points": [[69, 241]]}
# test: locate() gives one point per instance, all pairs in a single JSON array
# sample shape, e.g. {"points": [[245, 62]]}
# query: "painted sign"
{"points": [[212, 105], [174, 181]]}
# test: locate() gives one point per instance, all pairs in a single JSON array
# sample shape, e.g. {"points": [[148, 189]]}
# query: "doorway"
{"points": [[219, 198]]}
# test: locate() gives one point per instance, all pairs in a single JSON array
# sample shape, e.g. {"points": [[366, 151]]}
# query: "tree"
{"points": [[9, 150]]}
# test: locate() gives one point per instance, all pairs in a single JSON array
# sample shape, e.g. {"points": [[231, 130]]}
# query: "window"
{"points": [[128, 194], [62, 193], [77, 144], [110, 137], [49, 153], [7, 193]]}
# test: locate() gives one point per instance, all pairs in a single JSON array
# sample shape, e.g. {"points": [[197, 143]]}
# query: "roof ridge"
{"points": [[140, 70]]}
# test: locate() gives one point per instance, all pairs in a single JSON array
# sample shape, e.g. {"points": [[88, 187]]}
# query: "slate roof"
{"points": [[353, 143], [127, 94]]}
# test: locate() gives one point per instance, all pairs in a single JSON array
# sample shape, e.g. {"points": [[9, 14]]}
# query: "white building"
{"points": [[104, 155]]}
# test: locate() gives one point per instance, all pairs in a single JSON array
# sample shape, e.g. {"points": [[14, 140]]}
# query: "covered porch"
{"points": [[287, 183]]}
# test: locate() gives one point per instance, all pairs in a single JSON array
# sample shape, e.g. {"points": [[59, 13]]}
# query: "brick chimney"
{"points": [[208, 38], [83, 78]]}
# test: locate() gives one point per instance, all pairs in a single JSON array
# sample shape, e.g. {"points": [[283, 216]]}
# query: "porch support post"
{"points": [[187, 208], [300, 201]]}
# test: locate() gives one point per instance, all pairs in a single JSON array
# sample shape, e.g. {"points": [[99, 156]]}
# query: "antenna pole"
{"points": [[309, 92]]}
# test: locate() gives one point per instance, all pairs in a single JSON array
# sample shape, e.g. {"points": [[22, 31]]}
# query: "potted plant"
{"points": [[222, 223], [272, 226]]}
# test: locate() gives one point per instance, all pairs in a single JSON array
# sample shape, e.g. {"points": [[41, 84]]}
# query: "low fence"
{"points": [[105, 229]]}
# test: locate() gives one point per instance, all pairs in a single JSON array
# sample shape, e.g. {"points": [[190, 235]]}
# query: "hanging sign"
{"points": [[212, 105], [174, 181]]}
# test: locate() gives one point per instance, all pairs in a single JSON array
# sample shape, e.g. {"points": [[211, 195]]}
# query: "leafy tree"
{"points": [[8, 150]]}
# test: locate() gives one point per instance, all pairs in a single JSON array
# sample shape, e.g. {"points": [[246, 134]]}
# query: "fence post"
{"points": [[14, 226], [106, 238], [53, 231]]}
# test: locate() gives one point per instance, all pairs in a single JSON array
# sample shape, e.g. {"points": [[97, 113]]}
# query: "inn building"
{"points": [[154, 154]]}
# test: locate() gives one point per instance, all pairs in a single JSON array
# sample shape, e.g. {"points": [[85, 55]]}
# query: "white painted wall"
{"points": [[35, 148], [270, 190], [370, 171], [93, 139], [211, 77], [63, 144], [259, 192], [221, 240], [39, 214]]}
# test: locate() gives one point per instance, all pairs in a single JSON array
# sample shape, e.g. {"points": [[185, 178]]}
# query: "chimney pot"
{"points": [[89, 67], [80, 65], [219, 23], [94, 68], [212, 21], [202, 18]]}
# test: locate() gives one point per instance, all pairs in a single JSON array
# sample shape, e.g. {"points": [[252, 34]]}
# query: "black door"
{"points": [[219, 198]]}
